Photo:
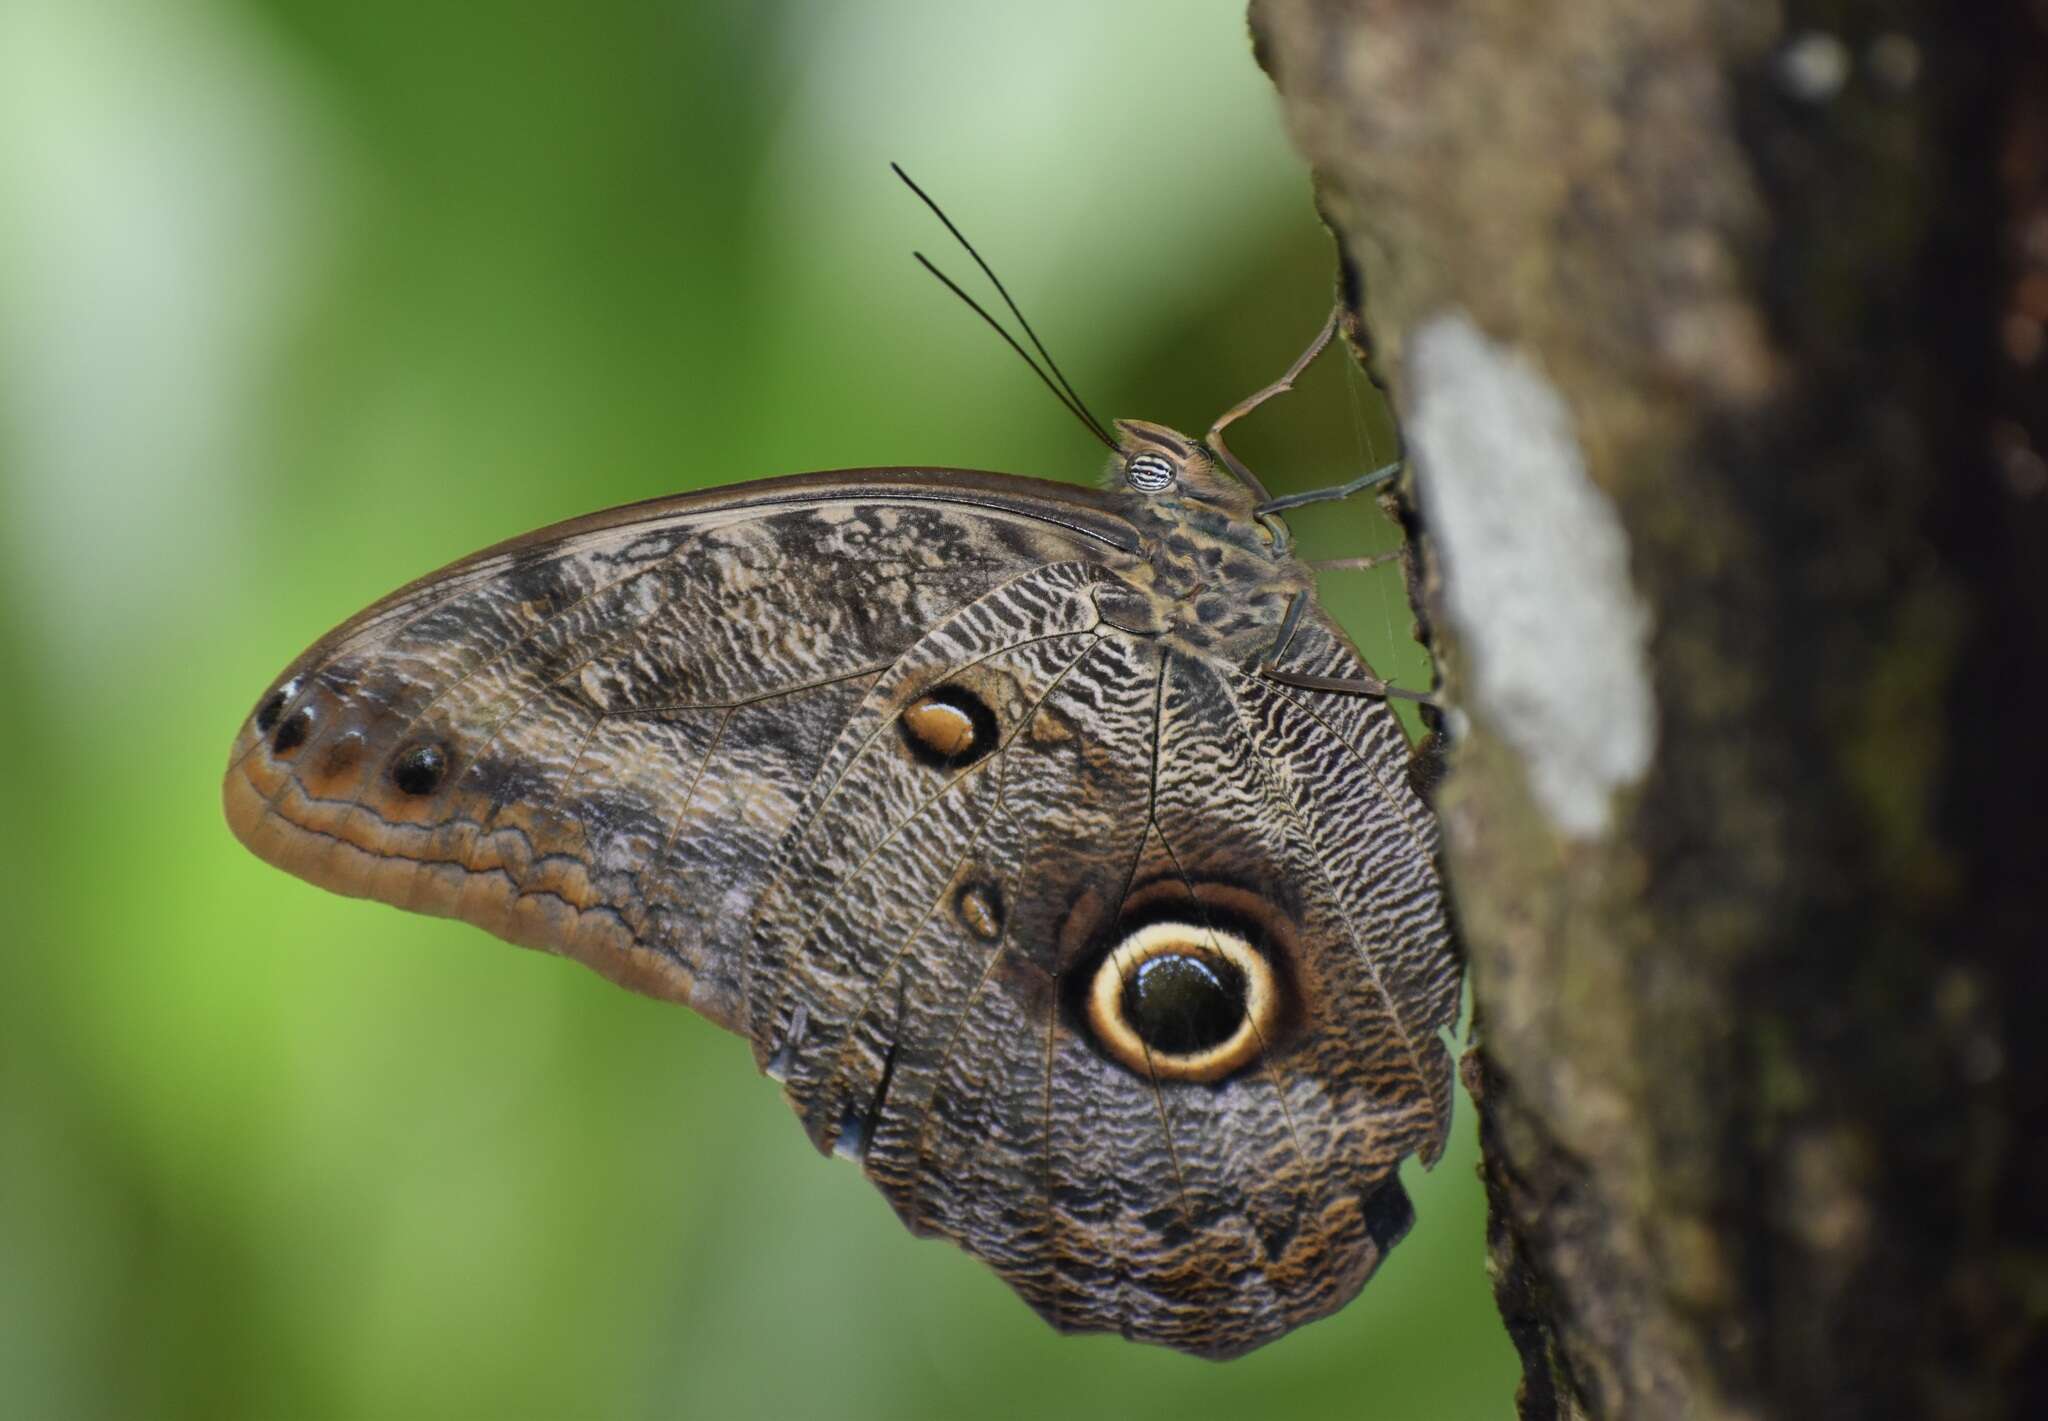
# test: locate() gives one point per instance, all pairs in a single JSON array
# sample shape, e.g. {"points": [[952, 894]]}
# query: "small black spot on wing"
{"points": [[272, 709], [292, 733], [419, 769]]}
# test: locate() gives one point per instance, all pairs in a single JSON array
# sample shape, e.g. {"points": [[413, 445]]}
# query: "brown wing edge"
{"points": [[1091, 513]]}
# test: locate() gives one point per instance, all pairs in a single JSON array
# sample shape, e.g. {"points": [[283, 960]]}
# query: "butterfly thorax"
{"points": [[1217, 578]]}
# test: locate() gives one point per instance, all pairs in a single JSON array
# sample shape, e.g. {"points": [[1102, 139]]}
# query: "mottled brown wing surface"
{"points": [[925, 956], [1337, 770], [592, 739], [897, 777]]}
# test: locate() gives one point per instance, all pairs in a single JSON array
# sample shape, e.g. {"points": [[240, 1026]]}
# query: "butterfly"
{"points": [[1051, 846]]}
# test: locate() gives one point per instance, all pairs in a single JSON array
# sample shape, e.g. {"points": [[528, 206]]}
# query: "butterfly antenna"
{"points": [[975, 306], [1073, 397]]}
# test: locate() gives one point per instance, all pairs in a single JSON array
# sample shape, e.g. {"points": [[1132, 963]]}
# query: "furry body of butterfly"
{"points": [[976, 804]]}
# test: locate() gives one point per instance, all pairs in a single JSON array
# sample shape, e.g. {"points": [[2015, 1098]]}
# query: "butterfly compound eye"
{"points": [[1149, 472], [1183, 1003]]}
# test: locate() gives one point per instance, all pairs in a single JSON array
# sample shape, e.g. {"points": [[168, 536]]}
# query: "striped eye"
{"points": [[1149, 473]]}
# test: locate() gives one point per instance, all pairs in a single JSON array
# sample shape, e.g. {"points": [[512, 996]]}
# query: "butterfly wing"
{"points": [[592, 739], [924, 958], [870, 770]]}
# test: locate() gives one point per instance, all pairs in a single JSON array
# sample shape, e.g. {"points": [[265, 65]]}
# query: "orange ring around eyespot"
{"points": [[1106, 997]]}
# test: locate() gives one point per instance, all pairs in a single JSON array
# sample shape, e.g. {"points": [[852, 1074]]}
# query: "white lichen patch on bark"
{"points": [[1536, 575]]}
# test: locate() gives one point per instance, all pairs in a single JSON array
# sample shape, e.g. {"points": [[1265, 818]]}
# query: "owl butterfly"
{"points": [[1052, 847]]}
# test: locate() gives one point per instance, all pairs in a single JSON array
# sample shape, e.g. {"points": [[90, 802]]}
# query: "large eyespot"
{"points": [[1184, 1003], [1148, 472], [948, 727]]}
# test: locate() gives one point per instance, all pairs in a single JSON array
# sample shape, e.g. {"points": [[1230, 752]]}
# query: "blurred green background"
{"points": [[299, 300]]}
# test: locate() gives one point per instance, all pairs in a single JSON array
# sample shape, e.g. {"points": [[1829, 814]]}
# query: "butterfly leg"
{"points": [[1350, 685], [1356, 564], [1343, 685], [1258, 397], [1282, 385], [1326, 495], [1268, 505]]}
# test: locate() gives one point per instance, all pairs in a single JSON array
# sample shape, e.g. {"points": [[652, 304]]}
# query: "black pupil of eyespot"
{"points": [[1181, 1002]]}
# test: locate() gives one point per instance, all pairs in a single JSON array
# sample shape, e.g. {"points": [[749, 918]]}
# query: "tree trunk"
{"points": [[1716, 328]]}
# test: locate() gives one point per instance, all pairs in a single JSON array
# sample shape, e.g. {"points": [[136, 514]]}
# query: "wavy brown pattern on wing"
{"points": [[967, 1150], [970, 1152], [993, 648], [541, 656], [1242, 1254], [847, 947], [1338, 766], [867, 1048]]}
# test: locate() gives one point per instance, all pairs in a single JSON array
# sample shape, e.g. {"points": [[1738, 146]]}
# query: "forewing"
{"points": [[593, 739]]}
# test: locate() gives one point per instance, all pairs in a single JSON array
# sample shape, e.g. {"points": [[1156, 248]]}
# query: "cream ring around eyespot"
{"points": [[1260, 1005]]}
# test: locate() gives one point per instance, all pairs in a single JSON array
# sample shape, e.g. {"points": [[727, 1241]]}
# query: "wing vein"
{"points": [[1422, 835], [798, 833], [994, 758], [1152, 826]]}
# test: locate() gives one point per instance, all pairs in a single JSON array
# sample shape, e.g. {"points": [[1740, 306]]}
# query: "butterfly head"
{"points": [[1168, 468]]}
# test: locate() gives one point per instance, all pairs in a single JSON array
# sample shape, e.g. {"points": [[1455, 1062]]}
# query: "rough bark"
{"points": [[1716, 328]]}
